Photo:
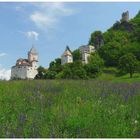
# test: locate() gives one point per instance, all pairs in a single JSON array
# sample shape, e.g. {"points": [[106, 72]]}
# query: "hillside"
{"points": [[118, 47], [122, 38], [120, 41]]}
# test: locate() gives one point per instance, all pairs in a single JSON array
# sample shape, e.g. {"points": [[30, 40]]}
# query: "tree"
{"points": [[96, 39], [132, 48], [77, 56], [56, 65], [110, 53], [50, 74], [129, 64], [74, 70], [95, 65], [41, 73]]}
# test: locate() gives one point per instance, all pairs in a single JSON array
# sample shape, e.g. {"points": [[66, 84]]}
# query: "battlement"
{"points": [[125, 16]]}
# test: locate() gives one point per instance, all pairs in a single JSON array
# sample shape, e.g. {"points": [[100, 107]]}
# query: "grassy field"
{"points": [[71, 108], [124, 78]]}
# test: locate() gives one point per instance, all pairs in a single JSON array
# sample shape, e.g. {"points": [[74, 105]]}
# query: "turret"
{"points": [[67, 56], [125, 16], [33, 55]]}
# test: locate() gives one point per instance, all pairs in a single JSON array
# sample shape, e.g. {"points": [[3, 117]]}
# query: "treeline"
{"points": [[75, 70], [118, 47]]}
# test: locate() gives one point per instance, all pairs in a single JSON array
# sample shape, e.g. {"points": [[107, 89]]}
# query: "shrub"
{"points": [[129, 64], [95, 65]]}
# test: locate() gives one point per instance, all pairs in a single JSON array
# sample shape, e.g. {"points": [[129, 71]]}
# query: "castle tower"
{"points": [[86, 50], [67, 56], [125, 16], [33, 55], [26, 68]]}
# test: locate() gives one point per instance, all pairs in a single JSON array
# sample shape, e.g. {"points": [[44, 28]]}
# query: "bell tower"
{"points": [[32, 55]]}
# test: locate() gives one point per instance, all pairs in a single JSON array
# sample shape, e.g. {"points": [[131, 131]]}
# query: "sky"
{"points": [[50, 27]]}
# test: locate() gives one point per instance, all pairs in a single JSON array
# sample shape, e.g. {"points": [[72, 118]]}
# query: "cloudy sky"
{"points": [[52, 26]]}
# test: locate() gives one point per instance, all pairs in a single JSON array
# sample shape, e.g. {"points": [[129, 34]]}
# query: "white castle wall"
{"points": [[85, 57], [26, 69], [32, 57], [23, 72], [86, 51], [32, 72], [19, 72], [66, 59]]}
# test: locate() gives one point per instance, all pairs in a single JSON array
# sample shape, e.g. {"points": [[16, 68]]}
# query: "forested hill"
{"points": [[123, 37], [118, 48]]}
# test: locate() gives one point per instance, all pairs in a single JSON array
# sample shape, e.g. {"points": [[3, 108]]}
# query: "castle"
{"points": [[125, 16], [26, 68], [85, 51], [66, 57]]}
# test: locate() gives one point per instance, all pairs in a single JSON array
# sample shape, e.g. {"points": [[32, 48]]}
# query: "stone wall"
{"points": [[23, 72], [19, 72], [66, 59]]}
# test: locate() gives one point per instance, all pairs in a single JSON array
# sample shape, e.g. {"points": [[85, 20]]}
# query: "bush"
{"points": [[110, 70], [95, 66], [129, 64], [50, 75], [74, 71]]}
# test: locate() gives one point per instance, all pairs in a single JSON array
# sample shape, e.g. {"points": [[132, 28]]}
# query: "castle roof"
{"points": [[33, 50], [23, 62], [86, 46], [83, 47], [67, 52], [68, 49]]}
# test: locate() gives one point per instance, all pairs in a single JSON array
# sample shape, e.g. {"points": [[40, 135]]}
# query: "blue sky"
{"points": [[52, 26]]}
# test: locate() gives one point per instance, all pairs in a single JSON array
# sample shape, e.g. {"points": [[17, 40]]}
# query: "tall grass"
{"points": [[68, 108]]}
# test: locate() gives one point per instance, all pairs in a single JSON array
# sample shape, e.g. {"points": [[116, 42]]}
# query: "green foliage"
{"points": [[54, 69], [132, 48], [110, 70], [129, 64], [50, 74], [96, 39], [41, 73], [74, 71], [76, 55], [136, 20], [114, 43], [118, 36], [56, 65], [123, 26], [136, 23], [95, 65], [110, 53], [122, 38]]}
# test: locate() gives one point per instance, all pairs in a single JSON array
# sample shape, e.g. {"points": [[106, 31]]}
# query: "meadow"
{"points": [[70, 108]]}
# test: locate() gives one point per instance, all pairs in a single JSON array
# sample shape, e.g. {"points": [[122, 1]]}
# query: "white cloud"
{"points": [[31, 34], [5, 74], [2, 54], [48, 15], [42, 21]]}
